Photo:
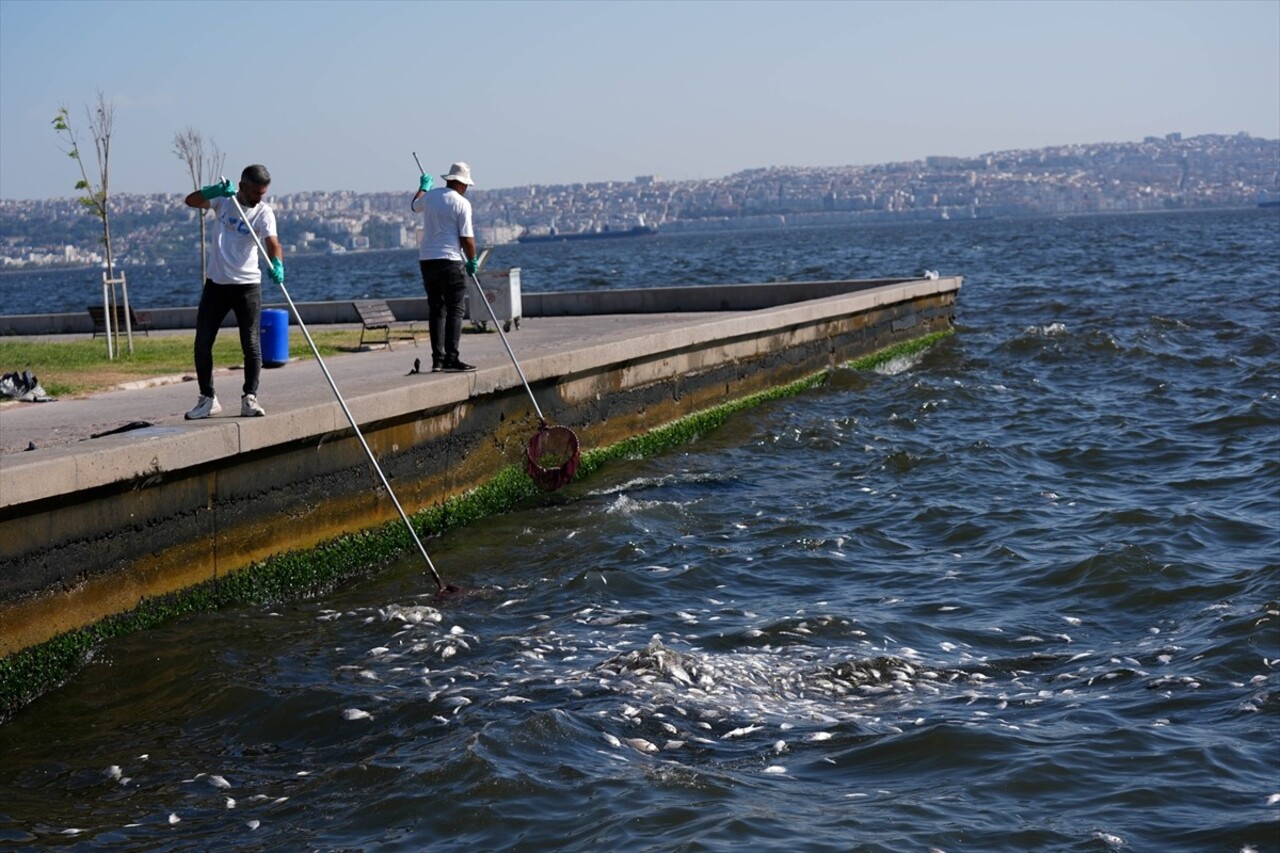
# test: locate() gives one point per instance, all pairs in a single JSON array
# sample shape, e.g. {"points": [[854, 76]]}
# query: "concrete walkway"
{"points": [[301, 383]]}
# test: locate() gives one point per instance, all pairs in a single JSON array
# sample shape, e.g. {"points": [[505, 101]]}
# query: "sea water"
{"points": [[1020, 592]]}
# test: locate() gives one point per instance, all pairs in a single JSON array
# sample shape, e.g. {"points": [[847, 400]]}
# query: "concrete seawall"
{"points": [[649, 300], [89, 529]]}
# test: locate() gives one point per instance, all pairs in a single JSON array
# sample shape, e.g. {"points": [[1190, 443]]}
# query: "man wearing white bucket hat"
{"points": [[447, 256]]}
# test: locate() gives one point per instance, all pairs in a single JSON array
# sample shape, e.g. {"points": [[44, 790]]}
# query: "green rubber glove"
{"points": [[424, 184], [472, 266], [222, 189], [277, 270]]}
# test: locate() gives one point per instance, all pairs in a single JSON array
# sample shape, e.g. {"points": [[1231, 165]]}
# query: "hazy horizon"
{"points": [[339, 96], [72, 196]]}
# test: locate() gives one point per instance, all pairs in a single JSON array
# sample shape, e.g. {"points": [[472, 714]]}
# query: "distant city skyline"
{"points": [[339, 96], [1173, 173]]}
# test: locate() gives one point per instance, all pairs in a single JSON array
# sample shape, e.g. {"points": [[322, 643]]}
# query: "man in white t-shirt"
{"points": [[447, 256], [234, 282]]}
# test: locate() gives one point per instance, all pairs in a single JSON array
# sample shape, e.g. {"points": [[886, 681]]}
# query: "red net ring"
{"points": [[551, 458]]}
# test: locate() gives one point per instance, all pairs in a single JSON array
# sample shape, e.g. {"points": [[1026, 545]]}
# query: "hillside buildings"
{"points": [[1159, 173]]}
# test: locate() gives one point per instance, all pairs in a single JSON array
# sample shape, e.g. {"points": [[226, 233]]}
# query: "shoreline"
{"points": [[681, 228]]}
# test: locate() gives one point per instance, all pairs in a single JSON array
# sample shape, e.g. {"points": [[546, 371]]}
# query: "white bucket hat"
{"points": [[460, 172]]}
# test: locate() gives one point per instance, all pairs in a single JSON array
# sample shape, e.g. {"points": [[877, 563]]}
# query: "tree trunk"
{"points": [[111, 275]]}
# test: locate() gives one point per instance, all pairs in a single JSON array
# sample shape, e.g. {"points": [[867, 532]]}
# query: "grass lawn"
{"points": [[76, 368]]}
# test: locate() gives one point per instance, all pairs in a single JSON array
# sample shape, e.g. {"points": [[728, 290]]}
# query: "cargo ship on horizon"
{"points": [[605, 233]]}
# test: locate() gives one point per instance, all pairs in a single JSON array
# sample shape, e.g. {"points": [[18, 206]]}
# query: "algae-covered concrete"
{"points": [[90, 528]]}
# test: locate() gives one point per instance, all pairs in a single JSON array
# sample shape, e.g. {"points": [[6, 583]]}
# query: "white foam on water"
{"points": [[626, 505], [899, 364], [638, 483]]}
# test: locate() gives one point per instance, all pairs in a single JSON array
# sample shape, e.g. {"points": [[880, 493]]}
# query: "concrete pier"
{"points": [[91, 526]]}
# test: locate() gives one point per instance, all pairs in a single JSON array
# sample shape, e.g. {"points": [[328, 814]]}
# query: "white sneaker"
{"points": [[249, 407], [205, 406]]}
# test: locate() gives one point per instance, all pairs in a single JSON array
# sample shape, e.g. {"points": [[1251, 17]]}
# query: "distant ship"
{"points": [[605, 233], [1265, 200]]}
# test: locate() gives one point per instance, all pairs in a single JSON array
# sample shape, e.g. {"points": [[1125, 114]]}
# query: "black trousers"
{"points": [[446, 284], [215, 301]]}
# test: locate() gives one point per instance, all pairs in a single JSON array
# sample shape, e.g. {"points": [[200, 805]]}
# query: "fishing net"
{"points": [[552, 457]]}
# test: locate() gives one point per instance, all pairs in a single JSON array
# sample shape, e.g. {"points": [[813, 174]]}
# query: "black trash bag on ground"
{"points": [[24, 387]]}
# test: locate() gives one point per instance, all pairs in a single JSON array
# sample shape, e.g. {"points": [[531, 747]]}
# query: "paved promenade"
{"points": [[300, 384]]}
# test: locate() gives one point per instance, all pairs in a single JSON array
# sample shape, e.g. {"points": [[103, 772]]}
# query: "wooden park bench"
{"points": [[137, 322], [375, 316]]}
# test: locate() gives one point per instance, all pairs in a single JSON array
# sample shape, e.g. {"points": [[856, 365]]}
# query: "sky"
{"points": [[338, 95]]}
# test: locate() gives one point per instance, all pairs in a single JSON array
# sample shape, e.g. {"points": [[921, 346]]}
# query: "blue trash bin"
{"points": [[275, 337]]}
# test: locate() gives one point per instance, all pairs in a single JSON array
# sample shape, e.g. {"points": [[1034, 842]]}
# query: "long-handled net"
{"points": [[551, 457], [355, 427]]}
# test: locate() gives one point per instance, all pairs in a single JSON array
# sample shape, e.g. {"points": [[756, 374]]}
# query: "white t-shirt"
{"points": [[235, 255], [446, 216]]}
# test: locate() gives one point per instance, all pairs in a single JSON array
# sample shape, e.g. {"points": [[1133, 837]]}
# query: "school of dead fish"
{"points": [[671, 701]]}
